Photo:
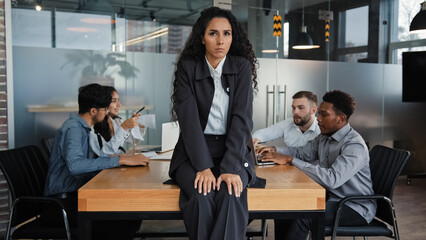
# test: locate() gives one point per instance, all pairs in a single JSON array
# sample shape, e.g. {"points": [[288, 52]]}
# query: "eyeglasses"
{"points": [[105, 109]]}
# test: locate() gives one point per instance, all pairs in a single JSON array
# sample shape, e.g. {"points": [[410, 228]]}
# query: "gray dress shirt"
{"points": [[339, 163]]}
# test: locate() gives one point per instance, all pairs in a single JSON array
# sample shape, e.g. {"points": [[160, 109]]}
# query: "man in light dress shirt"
{"points": [[337, 159], [296, 131]]}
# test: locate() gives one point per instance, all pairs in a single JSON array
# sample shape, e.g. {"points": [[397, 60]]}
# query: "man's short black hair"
{"points": [[342, 102], [309, 95], [92, 96]]}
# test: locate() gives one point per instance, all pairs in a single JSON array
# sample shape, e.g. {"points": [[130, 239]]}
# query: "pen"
{"points": [[140, 110]]}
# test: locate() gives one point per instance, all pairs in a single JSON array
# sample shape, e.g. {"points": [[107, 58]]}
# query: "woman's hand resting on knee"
{"points": [[233, 181], [205, 181]]}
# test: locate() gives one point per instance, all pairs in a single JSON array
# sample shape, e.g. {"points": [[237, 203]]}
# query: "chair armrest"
{"points": [[352, 198], [39, 200], [363, 197]]}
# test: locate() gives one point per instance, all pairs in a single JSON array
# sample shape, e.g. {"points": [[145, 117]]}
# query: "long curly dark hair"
{"points": [[102, 128], [194, 48]]}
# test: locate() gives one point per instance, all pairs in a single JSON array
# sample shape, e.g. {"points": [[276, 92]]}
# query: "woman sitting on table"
{"points": [[112, 134], [212, 100]]}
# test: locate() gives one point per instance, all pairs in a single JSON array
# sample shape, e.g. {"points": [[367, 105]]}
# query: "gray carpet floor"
{"points": [[409, 201]]}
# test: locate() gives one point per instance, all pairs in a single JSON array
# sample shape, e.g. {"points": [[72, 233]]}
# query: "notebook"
{"points": [[253, 154]]}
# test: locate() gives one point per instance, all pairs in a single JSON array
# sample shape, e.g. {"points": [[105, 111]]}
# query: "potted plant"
{"points": [[98, 68]]}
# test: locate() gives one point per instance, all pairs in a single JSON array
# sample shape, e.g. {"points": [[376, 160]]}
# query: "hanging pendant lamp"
{"points": [[303, 39], [419, 21]]}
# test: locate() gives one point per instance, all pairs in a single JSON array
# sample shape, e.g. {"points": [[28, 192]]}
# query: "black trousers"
{"points": [[217, 215], [298, 229], [102, 229]]}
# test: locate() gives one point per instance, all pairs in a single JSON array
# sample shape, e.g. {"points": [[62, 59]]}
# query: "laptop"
{"points": [[253, 154], [169, 137]]}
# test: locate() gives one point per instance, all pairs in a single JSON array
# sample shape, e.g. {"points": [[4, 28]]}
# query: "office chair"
{"points": [[25, 171], [385, 164], [47, 144]]}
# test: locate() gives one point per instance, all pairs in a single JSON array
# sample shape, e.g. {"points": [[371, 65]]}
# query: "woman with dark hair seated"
{"points": [[113, 135], [212, 100]]}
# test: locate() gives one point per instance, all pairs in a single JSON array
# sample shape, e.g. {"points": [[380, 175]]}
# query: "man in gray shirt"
{"points": [[338, 160]]}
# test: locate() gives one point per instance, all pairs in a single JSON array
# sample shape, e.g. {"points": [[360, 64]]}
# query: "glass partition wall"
{"points": [[133, 45]]}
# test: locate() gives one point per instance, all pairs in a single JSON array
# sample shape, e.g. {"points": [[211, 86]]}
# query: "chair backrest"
{"points": [[47, 144], [386, 164], [25, 170]]}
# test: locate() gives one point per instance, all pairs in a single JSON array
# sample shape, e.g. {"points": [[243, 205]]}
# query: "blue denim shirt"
{"points": [[70, 164]]}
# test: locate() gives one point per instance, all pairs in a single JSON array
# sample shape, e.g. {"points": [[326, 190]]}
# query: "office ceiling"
{"points": [[182, 12]]}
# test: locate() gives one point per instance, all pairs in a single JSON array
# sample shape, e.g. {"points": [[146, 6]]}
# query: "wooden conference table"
{"points": [[139, 193]]}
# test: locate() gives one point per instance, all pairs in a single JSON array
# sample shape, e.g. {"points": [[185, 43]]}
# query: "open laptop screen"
{"points": [[253, 154]]}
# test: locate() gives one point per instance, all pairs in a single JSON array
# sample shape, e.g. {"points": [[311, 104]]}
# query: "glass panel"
{"points": [[354, 57], [355, 32], [149, 36], [50, 68], [83, 31], [23, 31]]}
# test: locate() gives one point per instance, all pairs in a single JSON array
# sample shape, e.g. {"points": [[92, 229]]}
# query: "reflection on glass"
{"points": [[83, 31], [354, 57], [149, 36], [285, 39]]}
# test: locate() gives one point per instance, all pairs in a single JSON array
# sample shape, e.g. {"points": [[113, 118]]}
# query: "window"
{"points": [[353, 34], [354, 27], [402, 39], [406, 11]]}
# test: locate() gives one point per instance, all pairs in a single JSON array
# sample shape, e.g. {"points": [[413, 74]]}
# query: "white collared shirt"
{"points": [[216, 123], [120, 139], [293, 136]]}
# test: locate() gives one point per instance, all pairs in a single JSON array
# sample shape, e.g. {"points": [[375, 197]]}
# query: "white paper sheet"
{"points": [[148, 120], [153, 155]]}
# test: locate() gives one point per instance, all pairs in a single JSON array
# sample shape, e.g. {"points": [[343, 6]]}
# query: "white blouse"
{"points": [[216, 122], [120, 139]]}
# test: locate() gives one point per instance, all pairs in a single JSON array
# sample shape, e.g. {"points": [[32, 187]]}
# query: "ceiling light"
{"points": [[303, 39], [270, 51], [153, 18], [38, 6], [98, 20], [82, 29], [419, 21], [149, 36]]}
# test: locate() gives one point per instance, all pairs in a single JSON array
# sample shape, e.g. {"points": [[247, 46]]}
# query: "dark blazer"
{"points": [[194, 96]]}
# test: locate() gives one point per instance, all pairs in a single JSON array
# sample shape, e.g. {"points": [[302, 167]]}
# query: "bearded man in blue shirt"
{"points": [[72, 163], [337, 159]]}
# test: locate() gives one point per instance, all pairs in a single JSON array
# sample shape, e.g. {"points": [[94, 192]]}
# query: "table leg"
{"points": [[84, 227], [318, 228]]}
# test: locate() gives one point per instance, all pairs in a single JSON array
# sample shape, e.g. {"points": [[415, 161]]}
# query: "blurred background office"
{"points": [[356, 46]]}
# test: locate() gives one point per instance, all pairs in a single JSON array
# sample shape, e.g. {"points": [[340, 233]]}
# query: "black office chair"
{"points": [[25, 170], [386, 164], [47, 144]]}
